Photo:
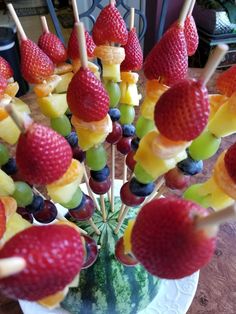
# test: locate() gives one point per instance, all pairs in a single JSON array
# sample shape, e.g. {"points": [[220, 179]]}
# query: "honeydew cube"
{"points": [[53, 106], [20, 106], [64, 193], [63, 84], [223, 123], [7, 186], [9, 132], [111, 72]]}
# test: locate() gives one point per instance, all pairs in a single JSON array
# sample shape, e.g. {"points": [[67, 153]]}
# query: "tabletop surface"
{"points": [[217, 284]]}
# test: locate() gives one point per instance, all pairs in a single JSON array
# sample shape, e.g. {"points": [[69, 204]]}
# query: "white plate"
{"points": [[174, 296]]}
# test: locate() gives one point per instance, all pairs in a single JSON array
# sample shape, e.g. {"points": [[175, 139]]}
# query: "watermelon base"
{"points": [[108, 286]]}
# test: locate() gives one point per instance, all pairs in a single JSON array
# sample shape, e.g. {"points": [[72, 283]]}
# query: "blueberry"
{"points": [[140, 189], [190, 167], [10, 167], [135, 143], [100, 175], [114, 114], [36, 205], [72, 139], [128, 130]]}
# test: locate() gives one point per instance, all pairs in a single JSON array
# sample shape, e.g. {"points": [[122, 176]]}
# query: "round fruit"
{"points": [[91, 252], [116, 133], [190, 167], [4, 155], [114, 114], [128, 198], [129, 160], [78, 154], [100, 175], [127, 114], [36, 205], [23, 194], [128, 130], [96, 158], [113, 91], [124, 145], [25, 214], [85, 210], [140, 189], [61, 125], [72, 139], [125, 259], [75, 201], [100, 187], [10, 167], [141, 175], [143, 126], [175, 179], [47, 214]]}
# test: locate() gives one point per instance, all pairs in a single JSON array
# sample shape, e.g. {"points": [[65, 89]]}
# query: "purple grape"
{"points": [[91, 251], [47, 214], [84, 211], [24, 214]]}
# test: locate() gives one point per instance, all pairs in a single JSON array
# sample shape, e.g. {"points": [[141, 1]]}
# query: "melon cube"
{"points": [[9, 132], [63, 84], [53, 106], [111, 72]]}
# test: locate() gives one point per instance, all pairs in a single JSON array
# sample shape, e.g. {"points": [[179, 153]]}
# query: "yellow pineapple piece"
{"points": [[9, 132], [214, 195], [15, 224], [153, 165], [223, 123], [74, 172], [216, 101], [129, 94], [63, 84], [127, 237], [154, 89], [91, 133], [7, 186], [12, 89], [147, 108], [53, 106], [48, 86], [20, 106]]}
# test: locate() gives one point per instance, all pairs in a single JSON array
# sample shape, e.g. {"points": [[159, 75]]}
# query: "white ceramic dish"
{"points": [[174, 296]]}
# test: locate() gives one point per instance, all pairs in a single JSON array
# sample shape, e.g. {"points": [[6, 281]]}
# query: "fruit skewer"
{"points": [[194, 121]]}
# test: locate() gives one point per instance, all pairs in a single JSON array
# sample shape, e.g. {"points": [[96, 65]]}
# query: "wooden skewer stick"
{"points": [[113, 152], [211, 222], [113, 2], [82, 231], [75, 11], [109, 195], [122, 218], [15, 117], [95, 228], [103, 208], [155, 191], [184, 12], [191, 7], [121, 212], [124, 170], [86, 179], [82, 45], [17, 21], [44, 24], [212, 63], [132, 13], [11, 266]]}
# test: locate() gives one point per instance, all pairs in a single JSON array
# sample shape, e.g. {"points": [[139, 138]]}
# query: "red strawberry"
{"points": [[54, 256], [53, 47], [3, 85], [230, 161], [165, 240], [110, 27], [5, 69], [2, 219], [226, 81], [182, 112], [133, 53], [73, 45], [35, 64], [42, 155], [191, 35], [86, 97], [168, 59]]}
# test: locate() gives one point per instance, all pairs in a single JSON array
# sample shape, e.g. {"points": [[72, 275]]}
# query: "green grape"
{"points": [[96, 158], [127, 114], [23, 194], [113, 91], [143, 126], [61, 125], [4, 155], [75, 201], [141, 175], [204, 146], [192, 194]]}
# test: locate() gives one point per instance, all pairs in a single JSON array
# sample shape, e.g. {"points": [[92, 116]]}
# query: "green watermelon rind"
{"points": [[116, 288]]}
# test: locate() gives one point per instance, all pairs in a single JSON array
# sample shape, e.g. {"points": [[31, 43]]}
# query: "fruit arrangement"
{"points": [[98, 256]]}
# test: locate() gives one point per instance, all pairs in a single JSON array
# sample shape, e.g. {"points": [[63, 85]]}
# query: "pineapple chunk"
{"points": [[7, 186], [147, 108], [223, 123], [15, 224], [129, 94], [63, 84], [53, 106], [9, 132]]}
